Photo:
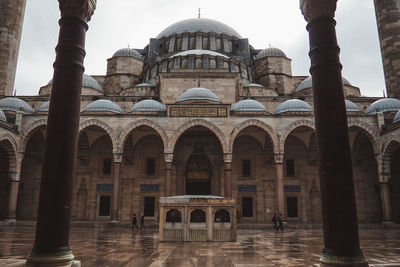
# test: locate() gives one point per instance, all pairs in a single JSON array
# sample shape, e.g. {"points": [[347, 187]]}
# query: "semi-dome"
{"points": [[383, 105], [352, 107], [44, 107], [397, 117], [198, 25], [2, 116], [293, 105], [103, 105], [270, 52], [248, 105], [15, 104], [198, 93], [198, 52], [128, 52], [87, 81], [149, 105], [307, 83]]}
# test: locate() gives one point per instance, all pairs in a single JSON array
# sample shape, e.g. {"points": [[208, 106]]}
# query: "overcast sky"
{"points": [[279, 23]]}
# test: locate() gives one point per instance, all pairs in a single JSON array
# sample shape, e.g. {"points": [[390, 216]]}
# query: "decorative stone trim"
{"points": [[102, 125], [371, 132], [237, 129], [82, 9], [285, 132], [28, 131]]}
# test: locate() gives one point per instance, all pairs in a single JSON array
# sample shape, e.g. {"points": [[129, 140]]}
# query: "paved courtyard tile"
{"points": [[120, 247]]}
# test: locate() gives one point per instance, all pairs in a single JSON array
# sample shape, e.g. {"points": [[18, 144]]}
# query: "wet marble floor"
{"points": [[120, 247]]}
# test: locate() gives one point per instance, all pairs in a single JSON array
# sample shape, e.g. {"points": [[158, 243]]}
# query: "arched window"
{"points": [[199, 63], [174, 215], [197, 216], [222, 216]]}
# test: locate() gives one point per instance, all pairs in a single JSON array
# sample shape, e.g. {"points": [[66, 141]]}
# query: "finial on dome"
{"points": [[129, 46], [270, 45], [199, 12]]}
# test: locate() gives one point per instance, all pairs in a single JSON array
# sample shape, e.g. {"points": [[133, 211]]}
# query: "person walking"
{"points": [[134, 222], [142, 223], [275, 221], [280, 222]]}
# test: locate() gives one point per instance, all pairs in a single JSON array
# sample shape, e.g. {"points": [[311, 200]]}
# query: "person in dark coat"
{"points": [[142, 222], [134, 222], [280, 222], [275, 221]]}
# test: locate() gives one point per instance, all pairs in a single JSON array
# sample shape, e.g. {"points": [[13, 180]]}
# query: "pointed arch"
{"points": [[257, 123], [142, 122], [28, 131], [387, 150], [93, 122], [290, 128], [197, 122], [371, 133]]}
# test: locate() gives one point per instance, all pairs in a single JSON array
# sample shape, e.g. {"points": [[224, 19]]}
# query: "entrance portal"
{"points": [[198, 169]]}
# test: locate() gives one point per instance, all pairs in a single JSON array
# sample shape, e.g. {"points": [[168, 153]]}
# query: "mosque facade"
{"points": [[199, 111]]}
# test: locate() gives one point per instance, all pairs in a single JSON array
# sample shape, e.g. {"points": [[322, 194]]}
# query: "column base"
{"points": [[328, 260], [59, 259]]}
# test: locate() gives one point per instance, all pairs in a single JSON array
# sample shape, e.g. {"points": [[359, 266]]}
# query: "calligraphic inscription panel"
{"points": [[198, 112]]}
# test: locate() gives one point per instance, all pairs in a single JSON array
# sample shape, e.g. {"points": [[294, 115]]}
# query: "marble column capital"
{"points": [[168, 157], [278, 158], [83, 9], [313, 9], [228, 157], [117, 157]]}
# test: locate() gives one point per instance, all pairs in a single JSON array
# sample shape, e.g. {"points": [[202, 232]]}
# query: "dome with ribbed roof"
{"points": [[44, 107], [15, 104], [128, 52], [149, 105], [87, 81], [198, 93], [103, 105], [199, 52], [383, 105], [352, 107], [397, 117], [270, 52], [293, 105], [2, 116], [198, 25], [307, 83], [248, 105]]}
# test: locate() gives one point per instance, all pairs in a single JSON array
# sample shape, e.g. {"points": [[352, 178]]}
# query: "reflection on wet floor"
{"points": [[121, 247]]}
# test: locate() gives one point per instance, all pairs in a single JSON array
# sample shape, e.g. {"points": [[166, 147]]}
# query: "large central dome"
{"points": [[199, 25]]}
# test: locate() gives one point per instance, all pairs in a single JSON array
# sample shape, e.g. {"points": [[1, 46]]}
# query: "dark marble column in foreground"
{"points": [[51, 246], [339, 214]]}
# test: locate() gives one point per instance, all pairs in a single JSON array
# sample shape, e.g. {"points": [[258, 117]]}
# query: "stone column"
{"points": [[339, 214], [386, 204], [168, 174], [209, 223], [280, 195], [11, 19], [228, 174], [388, 20], [59, 165], [115, 193], [14, 188]]}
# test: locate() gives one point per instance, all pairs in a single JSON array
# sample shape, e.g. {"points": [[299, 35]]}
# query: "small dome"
{"points": [[198, 93], [383, 105], [270, 52], [87, 81], [2, 116], [248, 105], [352, 107], [44, 107], [103, 105], [397, 117], [198, 25], [15, 104], [128, 52], [148, 105], [307, 83], [198, 52], [293, 105]]}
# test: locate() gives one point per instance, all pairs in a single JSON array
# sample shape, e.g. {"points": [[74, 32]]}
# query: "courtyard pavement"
{"points": [[104, 246]]}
